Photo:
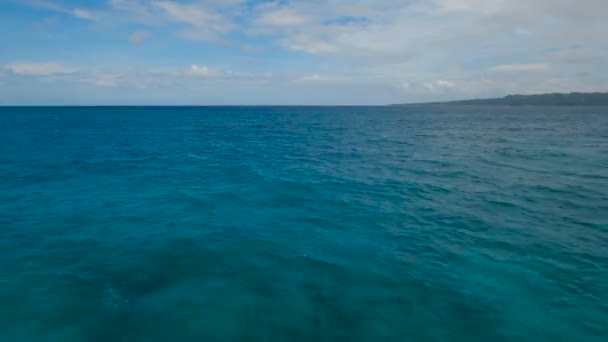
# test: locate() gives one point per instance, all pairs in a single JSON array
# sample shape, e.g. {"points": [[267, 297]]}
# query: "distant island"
{"points": [[554, 99]]}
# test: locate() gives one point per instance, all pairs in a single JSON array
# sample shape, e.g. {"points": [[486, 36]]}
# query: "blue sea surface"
{"points": [[304, 224]]}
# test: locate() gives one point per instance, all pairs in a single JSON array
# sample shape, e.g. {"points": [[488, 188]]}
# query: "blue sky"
{"points": [[297, 52]]}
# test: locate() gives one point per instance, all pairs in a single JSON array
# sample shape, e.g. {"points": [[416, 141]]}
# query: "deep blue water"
{"points": [[304, 224]]}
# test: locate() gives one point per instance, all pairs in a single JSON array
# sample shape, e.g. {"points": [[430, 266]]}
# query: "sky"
{"points": [[297, 52]]}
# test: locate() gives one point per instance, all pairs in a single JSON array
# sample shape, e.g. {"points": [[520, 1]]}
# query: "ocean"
{"points": [[437, 223]]}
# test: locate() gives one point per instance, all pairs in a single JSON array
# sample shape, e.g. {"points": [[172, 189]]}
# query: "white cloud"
{"points": [[138, 37], [316, 78], [138, 11], [200, 71], [484, 6], [438, 85], [444, 84], [105, 80], [37, 69], [309, 44], [282, 17], [393, 29], [201, 23], [521, 67], [82, 14]]}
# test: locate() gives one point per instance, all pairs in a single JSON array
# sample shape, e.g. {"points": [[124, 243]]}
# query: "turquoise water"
{"points": [[304, 224]]}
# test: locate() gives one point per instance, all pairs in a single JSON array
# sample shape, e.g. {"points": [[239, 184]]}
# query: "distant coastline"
{"points": [[553, 99]]}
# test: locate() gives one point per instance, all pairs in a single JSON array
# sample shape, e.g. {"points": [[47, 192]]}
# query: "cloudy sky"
{"points": [[297, 51]]}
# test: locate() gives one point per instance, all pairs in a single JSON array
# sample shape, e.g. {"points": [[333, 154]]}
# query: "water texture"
{"points": [[304, 224]]}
